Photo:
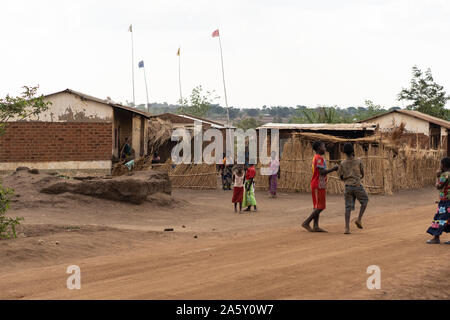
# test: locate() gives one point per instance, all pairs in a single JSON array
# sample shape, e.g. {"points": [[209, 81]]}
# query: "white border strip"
{"points": [[58, 165]]}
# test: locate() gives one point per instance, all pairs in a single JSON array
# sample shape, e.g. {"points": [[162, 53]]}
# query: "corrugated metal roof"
{"points": [[212, 123], [106, 101], [415, 114], [320, 126]]}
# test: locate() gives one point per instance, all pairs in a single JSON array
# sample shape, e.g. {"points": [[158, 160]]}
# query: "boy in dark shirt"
{"points": [[351, 171]]}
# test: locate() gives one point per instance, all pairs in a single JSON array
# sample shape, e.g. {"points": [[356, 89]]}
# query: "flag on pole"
{"points": [[130, 28], [215, 33], [141, 64], [178, 52]]}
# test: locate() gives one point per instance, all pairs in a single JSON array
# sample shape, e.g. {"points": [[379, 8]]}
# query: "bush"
{"points": [[28, 104], [7, 225]]}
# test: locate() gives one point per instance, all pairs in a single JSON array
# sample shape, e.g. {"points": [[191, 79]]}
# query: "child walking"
{"points": [[442, 217], [238, 188], [249, 189], [351, 171], [318, 186]]}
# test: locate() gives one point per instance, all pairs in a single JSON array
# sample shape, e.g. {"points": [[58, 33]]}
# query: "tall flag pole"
{"points": [[216, 34], [130, 29], [179, 76], [141, 65]]}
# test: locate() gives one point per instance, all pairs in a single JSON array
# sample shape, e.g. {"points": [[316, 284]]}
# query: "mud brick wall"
{"points": [[56, 141]]}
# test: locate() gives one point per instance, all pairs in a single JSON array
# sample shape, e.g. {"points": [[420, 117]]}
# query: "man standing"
{"points": [[318, 186]]}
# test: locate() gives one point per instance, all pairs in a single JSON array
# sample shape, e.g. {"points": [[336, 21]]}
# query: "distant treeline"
{"points": [[299, 114]]}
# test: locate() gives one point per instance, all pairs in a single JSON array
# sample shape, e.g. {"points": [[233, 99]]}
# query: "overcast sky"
{"points": [[276, 52]]}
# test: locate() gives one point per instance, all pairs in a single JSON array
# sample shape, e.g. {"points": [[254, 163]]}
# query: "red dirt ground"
{"points": [[124, 253]]}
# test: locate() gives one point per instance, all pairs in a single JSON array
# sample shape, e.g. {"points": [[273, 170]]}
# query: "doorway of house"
{"points": [[142, 136], [435, 136]]}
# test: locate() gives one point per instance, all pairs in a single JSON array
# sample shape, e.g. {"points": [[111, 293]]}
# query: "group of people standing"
{"points": [[244, 188], [351, 172], [243, 177]]}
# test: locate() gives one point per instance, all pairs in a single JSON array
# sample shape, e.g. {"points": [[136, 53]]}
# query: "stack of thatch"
{"points": [[159, 132], [412, 168], [119, 169]]}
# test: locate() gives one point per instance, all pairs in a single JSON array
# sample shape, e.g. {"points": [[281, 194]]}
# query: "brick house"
{"points": [[77, 132]]}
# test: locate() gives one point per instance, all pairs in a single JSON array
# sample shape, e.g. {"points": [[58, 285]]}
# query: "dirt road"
{"points": [[258, 259]]}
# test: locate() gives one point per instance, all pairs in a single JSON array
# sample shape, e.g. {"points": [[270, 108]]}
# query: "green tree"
{"points": [[199, 103], [425, 95], [248, 123], [322, 114], [371, 110], [16, 108], [252, 112], [26, 105]]}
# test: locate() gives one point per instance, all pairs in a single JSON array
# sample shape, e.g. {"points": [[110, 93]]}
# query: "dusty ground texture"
{"points": [[213, 253]]}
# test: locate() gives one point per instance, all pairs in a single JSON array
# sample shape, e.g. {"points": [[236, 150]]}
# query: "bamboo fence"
{"points": [[388, 168], [193, 176]]}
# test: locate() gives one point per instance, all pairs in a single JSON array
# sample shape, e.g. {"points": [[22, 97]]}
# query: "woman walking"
{"points": [[274, 174]]}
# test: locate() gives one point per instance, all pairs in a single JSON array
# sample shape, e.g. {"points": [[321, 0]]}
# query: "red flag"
{"points": [[215, 33]]}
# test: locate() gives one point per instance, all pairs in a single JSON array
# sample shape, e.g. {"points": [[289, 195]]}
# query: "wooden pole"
{"points": [[132, 60], [223, 78]]}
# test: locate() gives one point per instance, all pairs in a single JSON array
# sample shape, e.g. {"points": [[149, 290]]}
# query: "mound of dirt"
{"points": [[35, 190], [135, 187], [119, 169]]}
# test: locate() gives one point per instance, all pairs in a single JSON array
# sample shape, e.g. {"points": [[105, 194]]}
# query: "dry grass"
{"points": [[388, 167], [159, 132], [194, 176]]}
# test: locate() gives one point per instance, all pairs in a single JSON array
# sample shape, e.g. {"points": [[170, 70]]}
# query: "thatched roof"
{"points": [[159, 132], [321, 126], [329, 138]]}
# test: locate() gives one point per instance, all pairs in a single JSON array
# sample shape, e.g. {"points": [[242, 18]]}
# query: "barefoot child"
{"points": [[351, 171], [441, 218], [249, 188], [238, 188], [318, 186]]}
